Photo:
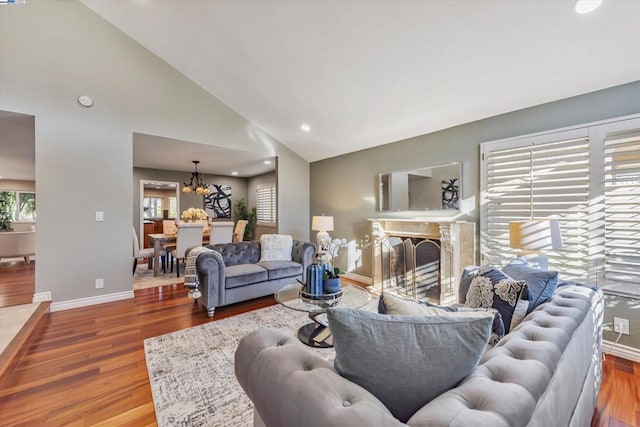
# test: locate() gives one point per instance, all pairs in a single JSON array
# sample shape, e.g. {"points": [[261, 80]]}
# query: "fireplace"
{"points": [[422, 259]]}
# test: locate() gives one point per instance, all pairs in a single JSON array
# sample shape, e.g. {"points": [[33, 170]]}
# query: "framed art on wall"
{"points": [[217, 204]]}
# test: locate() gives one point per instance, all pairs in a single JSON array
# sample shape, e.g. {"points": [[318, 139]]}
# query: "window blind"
{"points": [[266, 203], [536, 180], [622, 207]]}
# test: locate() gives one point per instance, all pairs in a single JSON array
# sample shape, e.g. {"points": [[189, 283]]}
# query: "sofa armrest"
{"points": [[210, 268], [290, 386], [303, 253]]}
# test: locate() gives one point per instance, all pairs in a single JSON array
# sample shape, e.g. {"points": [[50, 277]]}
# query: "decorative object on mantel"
{"points": [[322, 224], [193, 214], [195, 183], [218, 203]]}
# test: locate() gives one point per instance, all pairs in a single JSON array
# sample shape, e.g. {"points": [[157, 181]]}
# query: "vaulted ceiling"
{"points": [[362, 73]]}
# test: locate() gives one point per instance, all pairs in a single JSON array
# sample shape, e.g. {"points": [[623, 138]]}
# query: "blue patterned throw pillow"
{"points": [[490, 287]]}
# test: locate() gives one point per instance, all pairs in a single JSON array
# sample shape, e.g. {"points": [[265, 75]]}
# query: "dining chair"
{"points": [[145, 253], [189, 236], [221, 232], [238, 233]]}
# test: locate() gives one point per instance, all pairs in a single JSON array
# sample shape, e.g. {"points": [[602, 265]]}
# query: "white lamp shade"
{"points": [[535, 235], [322, 223]]}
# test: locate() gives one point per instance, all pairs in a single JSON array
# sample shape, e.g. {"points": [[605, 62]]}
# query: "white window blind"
{"points": [[589, 178], [266, 203], [536, 181], [622, 207]]}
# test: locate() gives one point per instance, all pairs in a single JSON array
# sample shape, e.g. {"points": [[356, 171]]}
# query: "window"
{"points": [[23, 205], [266, 203], [622, 207], [173, 207], [152, 207], [588, 178]]}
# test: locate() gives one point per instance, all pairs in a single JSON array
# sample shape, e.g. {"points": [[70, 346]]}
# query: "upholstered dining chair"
{"points": [[221, 232], [238, 233], [145, 253], [189, 236]]}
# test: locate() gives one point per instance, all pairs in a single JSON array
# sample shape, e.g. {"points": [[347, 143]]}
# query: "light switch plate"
{"points": [[99, 216]]}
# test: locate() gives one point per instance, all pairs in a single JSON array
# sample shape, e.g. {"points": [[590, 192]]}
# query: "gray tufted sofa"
{"points": [[232, 272], [546, 372]]}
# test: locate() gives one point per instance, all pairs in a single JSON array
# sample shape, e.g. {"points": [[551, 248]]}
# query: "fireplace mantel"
{"points": [[457, 241]]}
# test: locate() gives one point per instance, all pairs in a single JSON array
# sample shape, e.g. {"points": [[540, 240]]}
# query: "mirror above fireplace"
{"points": [[430, 188]]}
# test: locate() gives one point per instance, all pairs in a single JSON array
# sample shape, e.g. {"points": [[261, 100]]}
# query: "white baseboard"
{"points": [[85, 302], [623, 351], [358, 278], [42, 297]]}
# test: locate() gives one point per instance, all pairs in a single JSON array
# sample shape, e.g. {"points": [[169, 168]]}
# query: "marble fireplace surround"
{"points": [[457, 240]]}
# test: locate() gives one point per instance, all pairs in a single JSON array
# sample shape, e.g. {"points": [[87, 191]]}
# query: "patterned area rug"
{"points": [[144, 278], [192, 371]]}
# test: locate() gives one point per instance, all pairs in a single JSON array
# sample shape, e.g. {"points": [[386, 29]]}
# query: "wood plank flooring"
{"points": [[86, 366], [17, 282]]}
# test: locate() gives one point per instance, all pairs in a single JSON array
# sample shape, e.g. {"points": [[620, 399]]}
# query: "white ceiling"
{"points": [[156, 152], [367, 72]]}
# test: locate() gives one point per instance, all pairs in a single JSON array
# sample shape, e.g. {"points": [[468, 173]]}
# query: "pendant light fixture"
{"points": [[196, 184]]}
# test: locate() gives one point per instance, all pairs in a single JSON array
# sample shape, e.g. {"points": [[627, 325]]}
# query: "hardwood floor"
{"points": [[619, 399], [86, 366], [17, 282]]}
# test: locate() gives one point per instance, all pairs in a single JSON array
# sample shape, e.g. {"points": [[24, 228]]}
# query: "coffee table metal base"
{"points": [[312, 331]]}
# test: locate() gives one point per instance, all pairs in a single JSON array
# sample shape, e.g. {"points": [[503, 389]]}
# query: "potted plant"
{"points": [[331, 277], [243, 212], [7, 203], [331, 280]]}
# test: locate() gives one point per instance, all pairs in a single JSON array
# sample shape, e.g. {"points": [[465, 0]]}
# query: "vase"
{"points": [[331, 286]]}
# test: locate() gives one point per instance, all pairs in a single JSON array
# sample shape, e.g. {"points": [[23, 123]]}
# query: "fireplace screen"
{"points": [[411, 267]]}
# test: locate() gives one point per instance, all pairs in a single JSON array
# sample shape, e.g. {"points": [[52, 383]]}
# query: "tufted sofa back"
{"points": [[238, 253]]}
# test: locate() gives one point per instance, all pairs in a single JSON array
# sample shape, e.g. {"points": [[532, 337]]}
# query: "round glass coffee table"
{"points": [[317, 334]]}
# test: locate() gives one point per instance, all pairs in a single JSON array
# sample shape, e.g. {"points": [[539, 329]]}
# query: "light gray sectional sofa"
{"points": [[233, 272], [545, 372]]}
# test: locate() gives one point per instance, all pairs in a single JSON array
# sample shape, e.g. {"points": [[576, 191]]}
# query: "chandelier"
{"points": [[196, 184]]}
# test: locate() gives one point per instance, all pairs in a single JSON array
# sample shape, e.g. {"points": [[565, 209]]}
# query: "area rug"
{"points": [[144, 278], [191, 372]]}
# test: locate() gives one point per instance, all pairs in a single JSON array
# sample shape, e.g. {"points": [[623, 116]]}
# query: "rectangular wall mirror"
{"points": [[430, 188]]}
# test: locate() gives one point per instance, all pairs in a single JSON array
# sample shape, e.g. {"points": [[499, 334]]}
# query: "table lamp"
{"points": [[322, 224], [533, 236]]}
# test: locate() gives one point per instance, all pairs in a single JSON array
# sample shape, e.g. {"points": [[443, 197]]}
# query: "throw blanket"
{"points": [[190, 272]]}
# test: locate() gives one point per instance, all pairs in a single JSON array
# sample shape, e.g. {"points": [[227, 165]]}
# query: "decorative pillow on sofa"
{"points": [[275, 247], [406, 361], [392, 304], [492, 288], [541, 283]]}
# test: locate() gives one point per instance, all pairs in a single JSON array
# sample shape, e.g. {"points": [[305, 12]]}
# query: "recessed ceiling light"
{"points": [[267, 162], [586, 6], [305, 127], [234, 173]]}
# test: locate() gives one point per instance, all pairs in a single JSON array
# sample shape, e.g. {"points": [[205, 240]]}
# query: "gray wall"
{"points": [[52, 52], [345, 186]]}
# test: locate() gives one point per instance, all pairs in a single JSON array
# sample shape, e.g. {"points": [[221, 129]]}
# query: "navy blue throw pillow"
{"points": [[541, 283], [492, 288]]}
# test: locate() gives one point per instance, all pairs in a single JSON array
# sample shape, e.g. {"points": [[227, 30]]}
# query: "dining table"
{"points": [[158, 240]]}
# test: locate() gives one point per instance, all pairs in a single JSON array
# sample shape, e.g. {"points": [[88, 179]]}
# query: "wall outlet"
{"points": [[621, 325], [100, 284]]}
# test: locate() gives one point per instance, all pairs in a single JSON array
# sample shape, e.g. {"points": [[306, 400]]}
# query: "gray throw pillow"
{"points": [[406, 361], [393, 304]]}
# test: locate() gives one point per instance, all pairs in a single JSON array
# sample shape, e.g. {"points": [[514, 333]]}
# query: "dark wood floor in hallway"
{"points": [[86, 366]]}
